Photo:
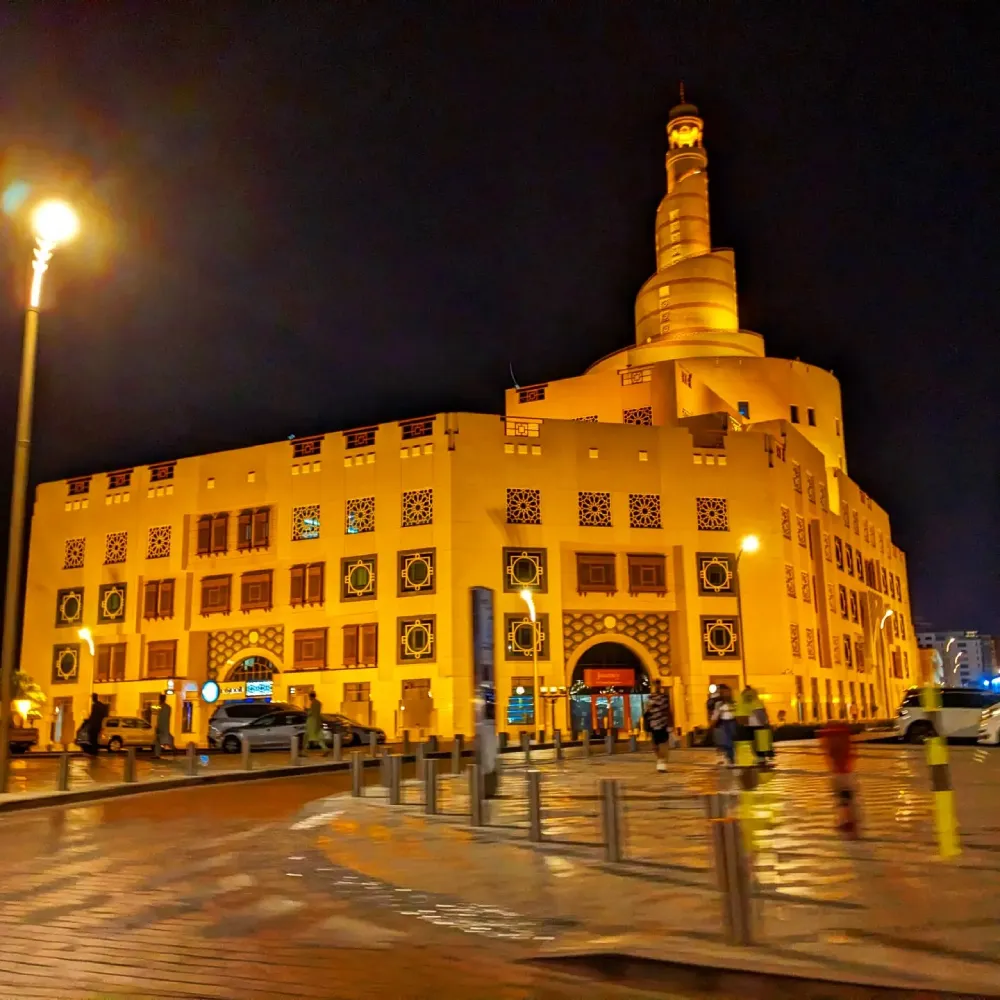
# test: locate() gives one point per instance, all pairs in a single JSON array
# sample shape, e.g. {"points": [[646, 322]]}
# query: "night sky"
{"points": [[304, 217]]}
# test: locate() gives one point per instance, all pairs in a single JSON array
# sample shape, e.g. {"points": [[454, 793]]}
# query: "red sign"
{"points": [[610, 677]]}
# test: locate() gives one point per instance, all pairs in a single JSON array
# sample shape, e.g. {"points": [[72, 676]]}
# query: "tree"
{"points": [[26, 689]]}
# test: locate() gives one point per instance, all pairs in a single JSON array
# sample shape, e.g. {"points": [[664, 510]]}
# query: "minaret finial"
{"points": [[682, 92]]}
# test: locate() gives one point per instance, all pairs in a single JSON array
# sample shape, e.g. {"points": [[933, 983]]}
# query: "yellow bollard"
{"points": [[945, 816], [746, 762]]}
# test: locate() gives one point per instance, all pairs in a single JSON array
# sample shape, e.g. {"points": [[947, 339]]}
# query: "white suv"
{"points": [[989, 725], [961, 713]]}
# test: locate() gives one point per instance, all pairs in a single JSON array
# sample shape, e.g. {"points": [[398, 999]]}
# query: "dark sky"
{"points": [[310, 216]]}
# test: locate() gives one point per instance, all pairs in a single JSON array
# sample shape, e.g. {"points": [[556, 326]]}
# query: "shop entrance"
{"points": [[609, 689]]}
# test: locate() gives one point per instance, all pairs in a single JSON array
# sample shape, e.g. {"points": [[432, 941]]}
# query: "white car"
{"points": [[989, 725], [961, 714]]}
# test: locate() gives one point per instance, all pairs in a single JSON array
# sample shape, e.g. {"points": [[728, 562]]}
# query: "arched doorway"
{"points": [[257, 673], [608, 689]]}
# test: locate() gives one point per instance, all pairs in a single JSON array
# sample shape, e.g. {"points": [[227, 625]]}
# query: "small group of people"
{"points": [[743, 719], [99, 710]]}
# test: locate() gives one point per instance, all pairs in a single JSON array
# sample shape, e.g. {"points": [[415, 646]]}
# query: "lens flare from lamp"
{"points": [[54, 222], [750, 543]]}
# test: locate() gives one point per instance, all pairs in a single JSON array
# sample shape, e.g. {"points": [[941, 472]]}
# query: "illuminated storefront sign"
{"points": [[260, 689]]}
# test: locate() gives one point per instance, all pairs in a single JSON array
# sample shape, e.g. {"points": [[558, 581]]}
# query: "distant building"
{"points": [[620, 498], [968, 658]]}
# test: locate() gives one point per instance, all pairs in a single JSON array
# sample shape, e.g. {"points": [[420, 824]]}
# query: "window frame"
{"points": [[159, 646], [300, 637], [253, 530], [212, 534], [109, 661], [217, 580], [304, 575], [585, 582], [637, 563], [258, 578], [162, 592]]}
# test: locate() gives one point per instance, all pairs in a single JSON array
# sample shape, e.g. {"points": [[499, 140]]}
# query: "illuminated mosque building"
{"points": [[682, 510]]}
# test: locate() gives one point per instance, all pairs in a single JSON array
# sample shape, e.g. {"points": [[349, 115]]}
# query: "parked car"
{"points": [[236, 714], [989, 725], [276, 730], [22, 739], [119, 732], [961, 713]]}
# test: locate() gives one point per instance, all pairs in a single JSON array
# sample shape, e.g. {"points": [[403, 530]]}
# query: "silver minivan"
{"points": [[236, 714]]}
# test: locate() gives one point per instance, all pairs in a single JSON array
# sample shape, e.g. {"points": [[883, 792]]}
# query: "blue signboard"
{"points": [[484, 686]]}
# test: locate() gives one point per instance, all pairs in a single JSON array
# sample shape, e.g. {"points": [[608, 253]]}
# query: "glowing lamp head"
{"points": [[528, 599], [54, 222], [23, 706], [750, 543], [87, 636]]}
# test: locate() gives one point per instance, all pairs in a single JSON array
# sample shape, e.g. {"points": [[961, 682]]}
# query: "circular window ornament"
{"points": [[716, 575], [66, 664], [254, 638], [610, 621], [417, 573], [418, 641], [525, 571], [70, 607], [359, 580], [720, 638]]}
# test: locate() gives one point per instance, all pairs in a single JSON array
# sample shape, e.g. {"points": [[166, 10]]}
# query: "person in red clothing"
{"points": [[838, 747]]}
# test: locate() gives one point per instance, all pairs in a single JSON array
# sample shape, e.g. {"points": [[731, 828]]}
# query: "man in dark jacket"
{"points": [[94, 724]]}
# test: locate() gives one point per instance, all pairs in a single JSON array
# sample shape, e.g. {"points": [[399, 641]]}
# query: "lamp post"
{"points": [[54, 223], [749, 543], [85, 635], [528, 599], [886, 615]]}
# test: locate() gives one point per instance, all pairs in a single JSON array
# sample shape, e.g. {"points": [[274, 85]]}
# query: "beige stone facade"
{"points": [[343, 563]]}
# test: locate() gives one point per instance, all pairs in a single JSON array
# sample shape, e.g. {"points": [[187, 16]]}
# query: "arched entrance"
{"points": [[257, 673], [608, 689]]}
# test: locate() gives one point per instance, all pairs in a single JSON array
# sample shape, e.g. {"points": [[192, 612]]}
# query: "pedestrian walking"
{"points": [[723, 724], [838, 748], [164, 738], [659, 718], [753, 726], [314, 724], [93, 725]]}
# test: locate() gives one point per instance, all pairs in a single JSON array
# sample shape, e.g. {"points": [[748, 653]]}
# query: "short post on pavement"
{"points": [[535, 806], [609, 742], [456, 754], [62, 777], [945, 818], [633, 744], [419, 760], [611, 820], [406, 742], [716, 806], [293, 752], [502, 740], [733, 872], [432, 743], [475, 796], [357, 765], [585, 743], [373, 744], [526, 747], [430, 786], [191, 760], [129, 775], [338, 746], [245, 752], [557, 744], [395, 779]]}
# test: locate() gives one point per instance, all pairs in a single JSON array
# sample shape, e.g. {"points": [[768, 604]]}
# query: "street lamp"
{"points": [[528, 599], [887, 614], [749, 543], [54, 223]]}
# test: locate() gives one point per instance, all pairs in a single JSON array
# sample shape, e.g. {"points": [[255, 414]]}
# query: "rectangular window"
{"points": [[213, 534], [254, 529], [848, 657], [838, 551], [843, 602], [111, 662], [849, 559], [309, 649], [794, 413], [307, 584], [595, 572], [361, 645], [158, 599], [215, 594], [811, 417], [255, 591], [744, 407], [647, 574], [161, 658]]}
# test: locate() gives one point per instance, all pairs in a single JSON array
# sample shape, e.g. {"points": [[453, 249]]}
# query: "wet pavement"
{"points": [[289, 888]]}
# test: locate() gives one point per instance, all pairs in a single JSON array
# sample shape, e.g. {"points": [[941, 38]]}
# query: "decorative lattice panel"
{"points": [[305, 522], [796, 643], [786, 523], [800, 529], [115, 547], [713, 513], [642, 415], [359, 515], [790, 580], [225, 646], [524, 506], [595, 510], [76, 549], [644, 510], [651, 631], [418, 507], [811, 488], [158, 542], [811, 643], [806, 588], [796, 477], [720, 638]]}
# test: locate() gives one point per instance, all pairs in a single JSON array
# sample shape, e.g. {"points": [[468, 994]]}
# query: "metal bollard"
{"points": [[611, 821], [716, 805], [191, 761], [357, 767], [62, 777], [456, 754], [585, 743], [373, 744], [733, 873], [633, 744], [557, 743], [384, 771], [535, 806], [475, 796], [419, 760], [293, 752], [502, 740], [609, 743], [406, 742], [129, 776], [430, 787], [245, 752], [338, 746], [432, 744], [526, 747], [395, 779]]}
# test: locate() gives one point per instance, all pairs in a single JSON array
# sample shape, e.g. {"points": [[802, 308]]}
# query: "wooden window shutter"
{"points": [[244, 592], [350, 645], [261, 527], [118, 661], [314, 583], [298, 585], [244, 530], [204, 535], [369, 645], [166, 598], [103, 663], [150, 600], [220, 532]]}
